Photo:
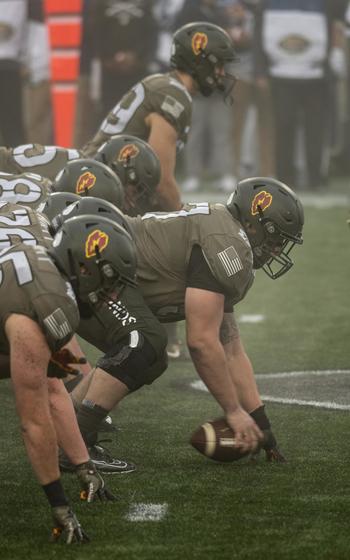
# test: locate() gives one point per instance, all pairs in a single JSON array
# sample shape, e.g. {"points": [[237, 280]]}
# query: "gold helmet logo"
{"points": [[262, 200], [85, 182], [98, 239], [199, 42], [127, 152]]}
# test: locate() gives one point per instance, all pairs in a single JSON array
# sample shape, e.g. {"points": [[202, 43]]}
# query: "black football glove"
{"points": [[60, 364], [92, 483], [67, 527], [272, 453]]}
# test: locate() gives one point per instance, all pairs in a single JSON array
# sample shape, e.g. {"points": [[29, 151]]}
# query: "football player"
{"points": [[28, 189], [196, 264], [87, 177], [126, 331], [138, 168], [46, 161], [40, 295], [158, 110]]}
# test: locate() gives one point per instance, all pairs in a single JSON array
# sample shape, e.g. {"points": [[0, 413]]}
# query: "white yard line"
{"points": [[318, 404], [249, 318], [200, 386], [147, 512]]}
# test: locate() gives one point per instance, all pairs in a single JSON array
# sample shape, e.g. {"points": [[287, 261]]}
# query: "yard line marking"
{"points": [[318, 404], [147, 512], [310, 372], [200, 386], [249, 318]]}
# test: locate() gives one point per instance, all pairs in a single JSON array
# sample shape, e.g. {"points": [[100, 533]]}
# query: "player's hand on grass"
{"points": [[92, 484], [61, 364], [67, 527], [248, 436]]}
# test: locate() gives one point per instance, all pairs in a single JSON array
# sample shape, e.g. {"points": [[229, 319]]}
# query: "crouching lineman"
{"points": [[196, 264], [41, 293], [125, 330]]}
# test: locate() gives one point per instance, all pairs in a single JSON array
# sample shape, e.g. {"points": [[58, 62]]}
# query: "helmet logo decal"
{"points": [[85, 181], [262, 199], [95, 238], [127, 152], [199, 42]]}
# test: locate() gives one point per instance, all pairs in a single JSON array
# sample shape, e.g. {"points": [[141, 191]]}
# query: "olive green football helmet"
{"points": [[96, 255], [87, 177], [136, 164], [272, 216], [57, 202], [200, 49], [92, 206]]}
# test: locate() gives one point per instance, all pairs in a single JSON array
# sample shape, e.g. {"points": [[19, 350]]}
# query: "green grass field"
{"points": [[222, 511]]}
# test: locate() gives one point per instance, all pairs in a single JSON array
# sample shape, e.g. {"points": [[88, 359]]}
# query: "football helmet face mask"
{"points": [[97, 256], [92, 206], [138, 168], [87, 177], [206, 52], [272, 217]]}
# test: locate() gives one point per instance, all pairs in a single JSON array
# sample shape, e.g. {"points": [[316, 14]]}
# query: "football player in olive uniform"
{"points": [[39, 313], [46, 161], [131, 337], [29, 189], [138, 168], [197, 264], [125, 330], [158, 109]]}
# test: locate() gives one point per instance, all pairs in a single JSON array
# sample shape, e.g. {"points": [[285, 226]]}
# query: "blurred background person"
{"points": [[119, 41], [298, 42], [24, 61], [253, 129]]}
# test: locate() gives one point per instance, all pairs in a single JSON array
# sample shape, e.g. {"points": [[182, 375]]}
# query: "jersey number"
{"points": [[21, 267], [124, 114]]}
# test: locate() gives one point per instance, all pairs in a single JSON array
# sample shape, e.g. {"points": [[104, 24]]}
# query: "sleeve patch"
{"points": [[58, 325], [172, 106], [230, 261]]}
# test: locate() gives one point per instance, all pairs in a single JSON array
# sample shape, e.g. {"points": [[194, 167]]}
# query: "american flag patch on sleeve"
{"points": [[230, 261]]}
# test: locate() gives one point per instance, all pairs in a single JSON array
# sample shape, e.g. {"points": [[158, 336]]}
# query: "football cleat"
{"points": [[107, 464]]}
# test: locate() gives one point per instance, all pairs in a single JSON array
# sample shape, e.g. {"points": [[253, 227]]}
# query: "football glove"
{"points": [[60, 364], [92, 484], [67, 527], [272, 453]]}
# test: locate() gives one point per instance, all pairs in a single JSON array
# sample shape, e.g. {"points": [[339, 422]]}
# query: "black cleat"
{"points": [[107, 464]]}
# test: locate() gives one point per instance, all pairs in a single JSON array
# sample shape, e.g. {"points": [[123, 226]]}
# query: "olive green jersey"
{"points": [[164, 244], [47, 161], [31, 285], [28, 189], [160, 93], [21, 224]]}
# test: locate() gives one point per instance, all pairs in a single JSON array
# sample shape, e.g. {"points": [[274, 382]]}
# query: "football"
{"points": [[216, 440]]}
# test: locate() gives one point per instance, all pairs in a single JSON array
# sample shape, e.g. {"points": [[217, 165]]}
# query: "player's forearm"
{"points": [[68, 434], [39, 438], [168, 195], [211, 365]]}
